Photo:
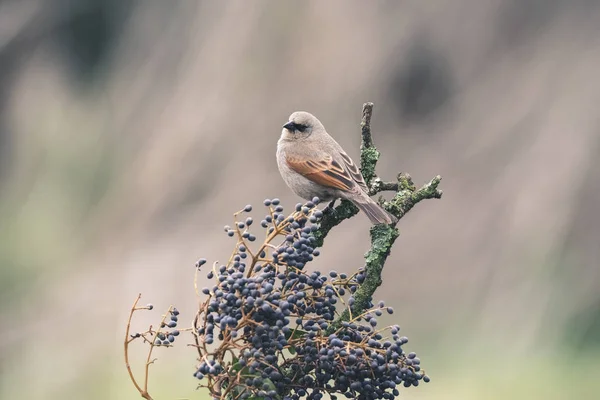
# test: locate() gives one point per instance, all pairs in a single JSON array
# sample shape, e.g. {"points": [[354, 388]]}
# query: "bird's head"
{"points": [[301, 125]]}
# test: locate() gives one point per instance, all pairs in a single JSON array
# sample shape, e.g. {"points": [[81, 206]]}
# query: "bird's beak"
{"points": [[290, 126]]}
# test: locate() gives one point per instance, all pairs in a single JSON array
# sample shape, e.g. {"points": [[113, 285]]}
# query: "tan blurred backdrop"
{"points": [[130, 131]]}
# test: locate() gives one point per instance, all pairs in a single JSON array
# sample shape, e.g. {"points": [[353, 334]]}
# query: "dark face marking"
{"points": [[292, 127], [301, 127]]}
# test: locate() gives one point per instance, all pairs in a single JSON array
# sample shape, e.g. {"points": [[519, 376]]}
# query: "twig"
{"points": [[152, 343], [378, 186], [149, 358], [127, 341], [143, 392], [368, 153]]}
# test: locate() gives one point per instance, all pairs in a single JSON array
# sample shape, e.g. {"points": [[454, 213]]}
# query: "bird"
{"points": [[313, 164]]}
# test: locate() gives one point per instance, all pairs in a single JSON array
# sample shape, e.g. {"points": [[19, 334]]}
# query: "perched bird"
{"points": [[313, 164]]}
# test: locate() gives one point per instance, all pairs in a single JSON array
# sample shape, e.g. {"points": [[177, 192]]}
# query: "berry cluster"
{"points": [[158, 337], [264, 327], [167, 338]]}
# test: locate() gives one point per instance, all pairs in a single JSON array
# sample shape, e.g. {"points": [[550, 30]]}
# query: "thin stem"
{"points": [[126, 349], [149, 359]]}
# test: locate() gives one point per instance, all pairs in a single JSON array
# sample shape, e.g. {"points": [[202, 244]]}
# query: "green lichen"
{"points": [[407, 196], [368, 162], [345, 210], [405, 183], [382, 240]]}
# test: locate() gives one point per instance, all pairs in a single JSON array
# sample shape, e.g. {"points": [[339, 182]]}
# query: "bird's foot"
{"points": [[330, 207]]}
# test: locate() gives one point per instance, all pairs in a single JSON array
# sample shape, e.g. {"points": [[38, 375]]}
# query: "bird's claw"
{"points": [[330, 207]]}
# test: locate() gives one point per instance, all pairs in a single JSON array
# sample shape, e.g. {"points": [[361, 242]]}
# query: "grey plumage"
{"points": [[313, 164]]}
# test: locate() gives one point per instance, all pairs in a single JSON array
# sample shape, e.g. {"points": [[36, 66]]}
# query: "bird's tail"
{"points": [[374, 211]]}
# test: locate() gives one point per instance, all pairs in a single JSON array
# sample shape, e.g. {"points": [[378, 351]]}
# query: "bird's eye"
{"points": [[300, 127]]}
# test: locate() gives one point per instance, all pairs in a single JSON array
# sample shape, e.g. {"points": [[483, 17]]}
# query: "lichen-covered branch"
{"points": [[368, 152], [345, 210], [382, 240], [406, 196], [377, 186], [382, 236]]}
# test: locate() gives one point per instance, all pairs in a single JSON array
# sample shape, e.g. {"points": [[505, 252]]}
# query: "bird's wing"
{"points": [[324, 171], [354, 171]]}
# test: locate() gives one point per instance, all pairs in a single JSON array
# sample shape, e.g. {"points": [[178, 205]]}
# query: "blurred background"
{"points": [[130, 131]]}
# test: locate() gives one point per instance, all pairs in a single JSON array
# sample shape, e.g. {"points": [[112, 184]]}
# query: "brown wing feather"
{"points": [[326, 172], [354, 171]]}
